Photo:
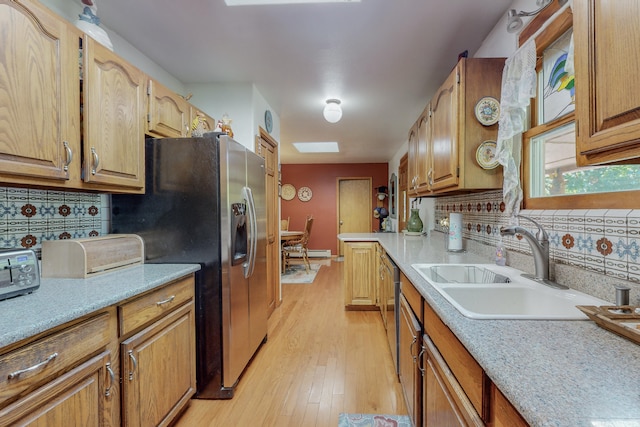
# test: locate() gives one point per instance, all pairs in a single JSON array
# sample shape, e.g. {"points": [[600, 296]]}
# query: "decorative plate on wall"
{"points": [[304, 194], [488, 111], [486, 155], [288, 192]]}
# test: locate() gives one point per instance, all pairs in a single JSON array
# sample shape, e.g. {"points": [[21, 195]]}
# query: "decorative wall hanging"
{"points": [[288, 192], [488, 111], [304, 194]]}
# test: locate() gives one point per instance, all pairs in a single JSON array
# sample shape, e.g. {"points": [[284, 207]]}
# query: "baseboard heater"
{"points": [[314, 253]]}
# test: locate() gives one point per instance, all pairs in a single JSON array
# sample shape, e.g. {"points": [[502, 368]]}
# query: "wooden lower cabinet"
{"points": [[445, 402], [157, 354], [68, 377], [360, 275], [503, 414], [77, 398], [72, 375], [410, 331], [159, 370], [456, 390]]}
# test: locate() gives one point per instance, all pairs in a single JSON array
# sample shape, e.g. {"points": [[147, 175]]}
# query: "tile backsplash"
{"points": [[27, 217], [601, 241]]}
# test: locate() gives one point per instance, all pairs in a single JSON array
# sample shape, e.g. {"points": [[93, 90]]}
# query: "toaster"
{"points": [[19, 272]]}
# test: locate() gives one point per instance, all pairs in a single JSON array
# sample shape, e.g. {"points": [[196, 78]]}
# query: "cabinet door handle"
{"points": [[112, 378], [69, 155], [45, 362], [420, 355], [166, 301], [134, 362], [413, 356], [95, 162]]}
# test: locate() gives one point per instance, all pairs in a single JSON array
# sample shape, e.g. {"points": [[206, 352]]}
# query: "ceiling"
{"points": [[383, 58]]}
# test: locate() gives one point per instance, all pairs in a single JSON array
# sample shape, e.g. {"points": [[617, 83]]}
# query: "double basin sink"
{"points": [[487, 291]]}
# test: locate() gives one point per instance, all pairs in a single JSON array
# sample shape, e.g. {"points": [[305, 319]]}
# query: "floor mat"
{"points": [[296, 273], [373, 420]]}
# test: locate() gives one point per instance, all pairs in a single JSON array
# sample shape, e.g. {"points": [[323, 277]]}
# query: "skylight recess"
{"points": [[317, 147], [270, 2]]}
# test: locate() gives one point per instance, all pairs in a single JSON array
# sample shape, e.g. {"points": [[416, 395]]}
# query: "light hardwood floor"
{"points": [[319, 360]]}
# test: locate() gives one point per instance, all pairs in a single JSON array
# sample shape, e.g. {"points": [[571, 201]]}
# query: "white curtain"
{"points": [[519, 81], [518, 87]]}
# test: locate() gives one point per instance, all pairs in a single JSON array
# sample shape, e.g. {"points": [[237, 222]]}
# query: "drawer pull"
{"points": [[112, 378], [135, 364], [166, 301], [16, 374]]}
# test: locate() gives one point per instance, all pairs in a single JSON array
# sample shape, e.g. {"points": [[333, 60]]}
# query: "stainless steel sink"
{"points": [[487, 291]]}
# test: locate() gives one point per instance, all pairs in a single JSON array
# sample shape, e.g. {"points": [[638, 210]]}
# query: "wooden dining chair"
{"points": [[284, 224], [298, 246]]}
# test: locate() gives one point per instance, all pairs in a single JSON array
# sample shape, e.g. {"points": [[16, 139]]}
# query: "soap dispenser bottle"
{"points": [[501, 253]]}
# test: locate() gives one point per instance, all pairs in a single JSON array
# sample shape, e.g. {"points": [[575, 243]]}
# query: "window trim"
{"points": [[614, 200]]}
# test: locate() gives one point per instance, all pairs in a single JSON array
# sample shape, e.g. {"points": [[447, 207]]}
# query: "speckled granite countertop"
{"points": [[556, 373], [58, 301]]}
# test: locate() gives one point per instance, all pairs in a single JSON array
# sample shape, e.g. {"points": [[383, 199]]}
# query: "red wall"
{"points": [[322, 180]]}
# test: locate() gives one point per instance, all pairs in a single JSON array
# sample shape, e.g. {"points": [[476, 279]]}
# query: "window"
{"points": [[552, 180]]}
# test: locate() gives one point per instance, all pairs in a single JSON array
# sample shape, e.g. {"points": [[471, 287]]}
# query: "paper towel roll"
{"points": [[455, 231]]}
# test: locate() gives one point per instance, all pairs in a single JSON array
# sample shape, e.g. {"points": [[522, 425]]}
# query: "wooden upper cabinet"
{"points": [[39, 119], [444, 131], [424, 158], [114, 116], [419, 155], [606, 40], [444, 140], [412, 166], [167, 112]]}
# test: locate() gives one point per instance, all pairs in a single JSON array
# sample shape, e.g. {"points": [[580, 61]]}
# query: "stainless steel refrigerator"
{"points": [[205, 203]]}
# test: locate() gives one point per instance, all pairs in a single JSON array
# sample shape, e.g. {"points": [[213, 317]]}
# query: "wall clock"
{"points": [[288, 192], [304, 194], [268, 121]]}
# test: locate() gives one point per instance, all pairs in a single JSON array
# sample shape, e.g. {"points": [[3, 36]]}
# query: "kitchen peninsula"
{"points": [[73, 348], [555, 373]]}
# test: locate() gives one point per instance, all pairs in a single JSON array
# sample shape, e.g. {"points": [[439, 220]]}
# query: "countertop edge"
{"points": [[59, 301]]}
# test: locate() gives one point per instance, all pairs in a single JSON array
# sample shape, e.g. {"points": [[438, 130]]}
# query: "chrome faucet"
{"points": [[539, 246]]}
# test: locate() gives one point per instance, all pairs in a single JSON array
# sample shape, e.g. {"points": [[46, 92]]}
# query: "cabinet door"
{"points": [[445, 403], [503, 413], [267, 149], [606, 67], [39, 103], [424, 166], [412, 166], [158, 369], [167, 112], [444, 138], [381, 283], [114, 113], [80, 397], [410, 375], [360, 274]]}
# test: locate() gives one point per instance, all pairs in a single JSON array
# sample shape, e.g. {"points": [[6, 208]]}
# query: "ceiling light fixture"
{"points": [[514, 19], [332, 111]]}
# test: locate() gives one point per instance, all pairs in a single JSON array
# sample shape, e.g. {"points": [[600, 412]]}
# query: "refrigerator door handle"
{"points": [[253, 232]]}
